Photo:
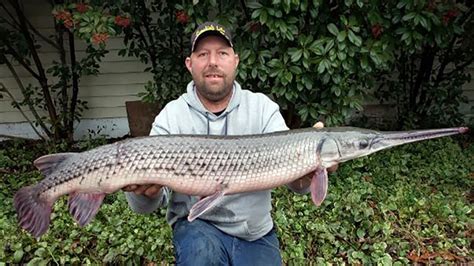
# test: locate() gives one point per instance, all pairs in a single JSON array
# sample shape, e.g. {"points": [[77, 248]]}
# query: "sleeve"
{"points": [[273, 119], [144, 204]]}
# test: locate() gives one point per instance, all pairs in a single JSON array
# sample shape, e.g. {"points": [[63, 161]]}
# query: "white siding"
{"points": [[120, 80]]}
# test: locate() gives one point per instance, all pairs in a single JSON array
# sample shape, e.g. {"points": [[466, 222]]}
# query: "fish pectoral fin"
{"points": [[205, 204], [84, 206], [319, 186], [46, 164]]}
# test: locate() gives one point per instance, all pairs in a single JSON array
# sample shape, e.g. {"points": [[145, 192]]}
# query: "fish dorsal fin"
{"points": [[47, 163]]}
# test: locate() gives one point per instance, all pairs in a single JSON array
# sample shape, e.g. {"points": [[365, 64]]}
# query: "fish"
{"points": [[200, 165]]}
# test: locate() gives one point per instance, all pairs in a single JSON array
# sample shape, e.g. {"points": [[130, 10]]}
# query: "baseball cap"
{"points": [[210, 28]]}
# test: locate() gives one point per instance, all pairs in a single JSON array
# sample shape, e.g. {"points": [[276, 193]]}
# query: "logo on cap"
{"points": [[210, 27]]}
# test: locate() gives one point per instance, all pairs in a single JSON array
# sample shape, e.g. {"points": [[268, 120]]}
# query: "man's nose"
{"points": [[213, 59]]}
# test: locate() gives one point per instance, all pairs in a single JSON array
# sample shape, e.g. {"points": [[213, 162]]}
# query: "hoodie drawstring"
{"points": [[208, 123], [226, 123]]}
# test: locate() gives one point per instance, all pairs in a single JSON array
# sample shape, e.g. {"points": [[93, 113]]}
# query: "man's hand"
{"points": [[151, 190]]}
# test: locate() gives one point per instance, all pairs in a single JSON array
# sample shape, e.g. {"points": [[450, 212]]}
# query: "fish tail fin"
{"points": [[33, 212]]}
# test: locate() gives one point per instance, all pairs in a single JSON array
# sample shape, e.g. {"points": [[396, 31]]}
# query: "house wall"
{"points": [[120, 80]]}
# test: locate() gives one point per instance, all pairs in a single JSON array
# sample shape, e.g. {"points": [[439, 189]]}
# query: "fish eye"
{"points": [[363, 144]]}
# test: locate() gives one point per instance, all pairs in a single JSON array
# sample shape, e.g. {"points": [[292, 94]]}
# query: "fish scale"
{"points": [[208, 166]]}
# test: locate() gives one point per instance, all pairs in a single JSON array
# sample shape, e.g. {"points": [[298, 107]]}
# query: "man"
{"points": [[240, 229]]}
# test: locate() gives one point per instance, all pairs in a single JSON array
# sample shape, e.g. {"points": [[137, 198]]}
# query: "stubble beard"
{"points": [[215, 93]]}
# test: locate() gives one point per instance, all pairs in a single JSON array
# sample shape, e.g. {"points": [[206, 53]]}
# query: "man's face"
{"points": [[213, 65]]}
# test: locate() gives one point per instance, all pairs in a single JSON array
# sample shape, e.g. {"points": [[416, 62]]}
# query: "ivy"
{"points": [[405, 205]]}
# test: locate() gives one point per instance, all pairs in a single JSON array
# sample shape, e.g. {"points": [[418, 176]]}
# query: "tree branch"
{"points": [[244, 9], [152, 49], [424, 73], [460, 67], [44, 38], [42, 76], [20, 60], [444, 63], [15, 23], [27, 98], [3, 88], [75, 85], [62, 56]]}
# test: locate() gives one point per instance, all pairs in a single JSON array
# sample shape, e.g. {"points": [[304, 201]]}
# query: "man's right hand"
{"points": [[150, 190]]}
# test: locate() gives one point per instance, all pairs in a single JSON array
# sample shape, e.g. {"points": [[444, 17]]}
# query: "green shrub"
{"points": [[321, 60]]}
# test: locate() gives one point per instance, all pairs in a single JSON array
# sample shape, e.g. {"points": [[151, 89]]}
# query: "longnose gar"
{"points": [[208, 166]]}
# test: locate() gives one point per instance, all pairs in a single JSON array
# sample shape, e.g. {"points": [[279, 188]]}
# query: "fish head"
{"points": [[343, 144]]}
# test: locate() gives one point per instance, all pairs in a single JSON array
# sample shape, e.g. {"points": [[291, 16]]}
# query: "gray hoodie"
{"points": [[245, 215]]}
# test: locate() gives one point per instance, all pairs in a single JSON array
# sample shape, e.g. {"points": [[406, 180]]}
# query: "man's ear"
{"points": [[189, 64], [237, 60]]}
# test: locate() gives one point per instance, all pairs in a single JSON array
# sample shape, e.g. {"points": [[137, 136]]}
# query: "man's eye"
{"points": [[224, 53]]}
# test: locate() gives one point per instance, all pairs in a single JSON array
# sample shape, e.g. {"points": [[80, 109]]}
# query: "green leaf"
{"points": [[321, 67], [333, 29], [254, 72], [85, 30], [342, 56], [357, 254], [263, 16], [253, 4], [425, 23], [308, 83], [327, 64], [296, 55], [295, 70], [245, 54], [256, 13], [18, 255], [341, 36], [275, 63], [329, 45], [288, 76], [409, 16], [401, 4], [354, 39]]}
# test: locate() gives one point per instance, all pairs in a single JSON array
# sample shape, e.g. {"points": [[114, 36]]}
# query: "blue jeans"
{"points": [[200, 243]]}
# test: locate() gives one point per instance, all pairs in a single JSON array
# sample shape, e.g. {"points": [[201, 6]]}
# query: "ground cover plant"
{"points": [[405, 205]]}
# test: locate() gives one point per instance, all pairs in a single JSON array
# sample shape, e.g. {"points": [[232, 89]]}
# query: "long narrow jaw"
{"points": [[390, 139]]}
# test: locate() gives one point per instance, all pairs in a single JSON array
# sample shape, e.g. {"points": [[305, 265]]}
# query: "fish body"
{"points": [[207, 166]]}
